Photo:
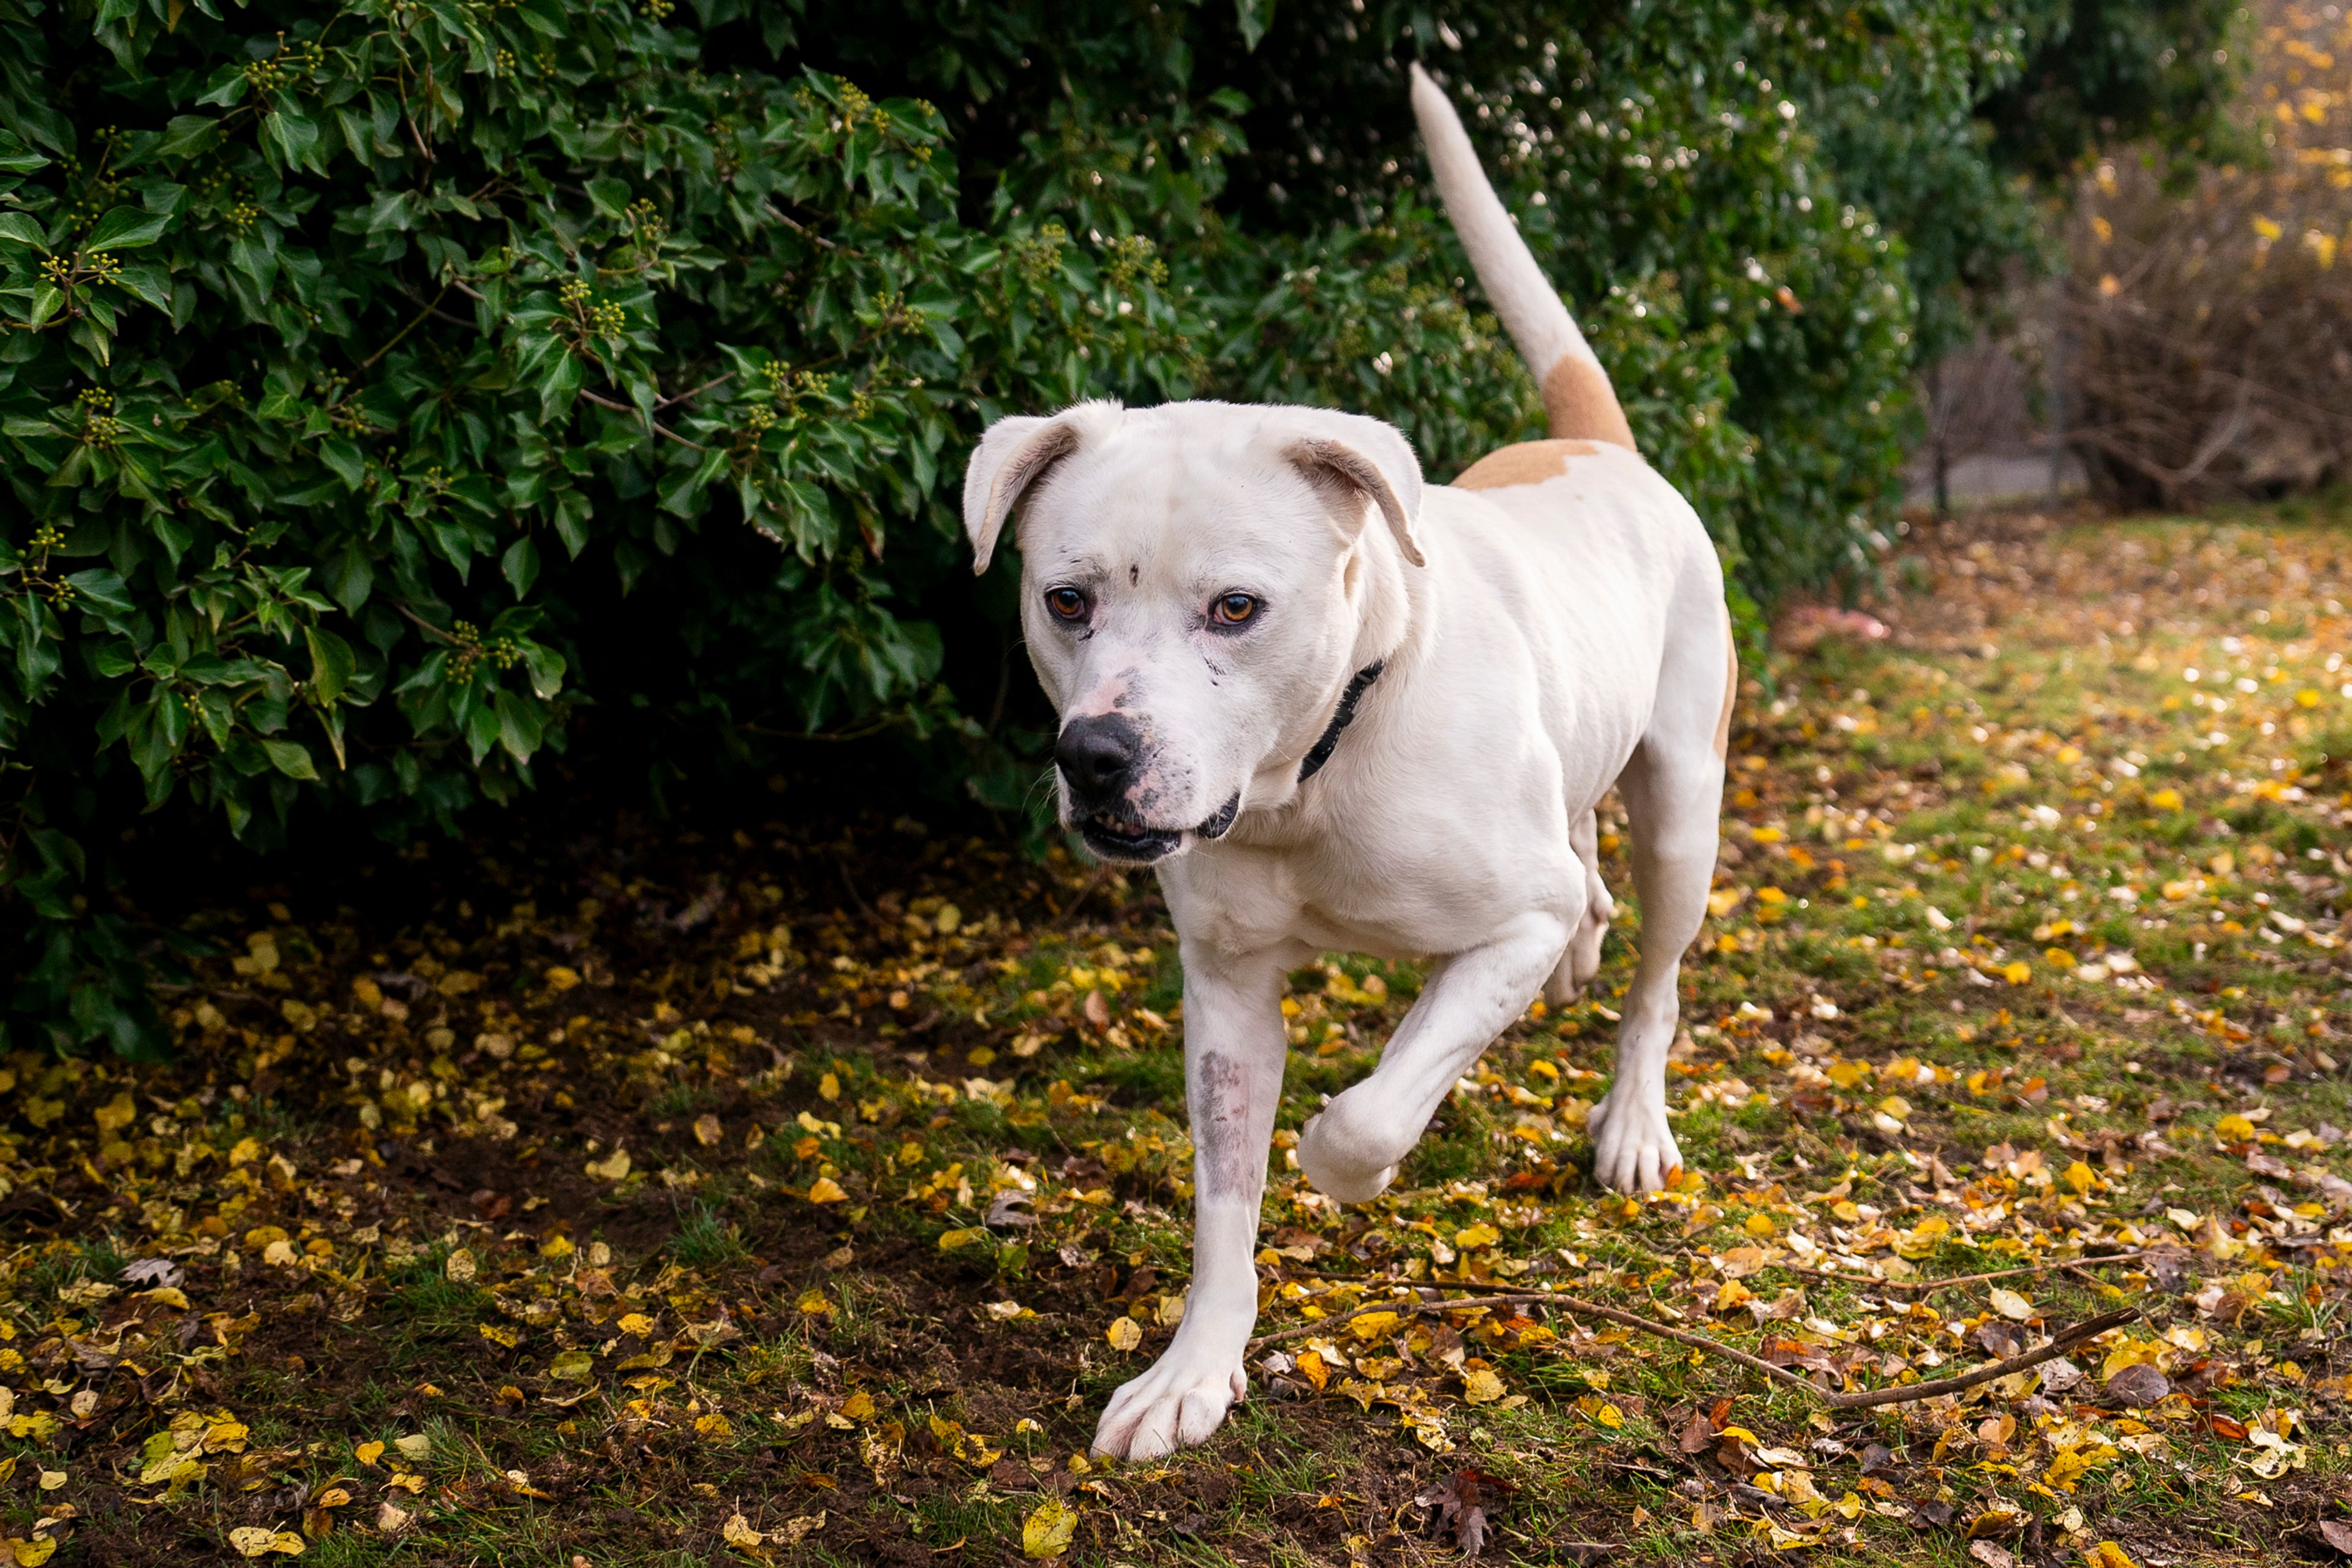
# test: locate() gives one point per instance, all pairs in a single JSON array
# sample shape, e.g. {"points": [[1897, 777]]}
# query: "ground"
{"points": [[775, 1197]]}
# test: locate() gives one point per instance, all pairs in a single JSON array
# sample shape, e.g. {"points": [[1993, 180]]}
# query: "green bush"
{"points": [[395, 391]]}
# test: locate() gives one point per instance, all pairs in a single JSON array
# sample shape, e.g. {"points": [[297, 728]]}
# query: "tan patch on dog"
{"points": [[1580, 402], [1527, 463], [1730, 689]]}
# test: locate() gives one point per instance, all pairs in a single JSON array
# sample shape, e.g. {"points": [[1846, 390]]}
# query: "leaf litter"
{"points": [[827, 1221]]}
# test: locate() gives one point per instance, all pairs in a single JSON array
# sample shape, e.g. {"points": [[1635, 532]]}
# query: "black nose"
{"points": [[1098, 755]]}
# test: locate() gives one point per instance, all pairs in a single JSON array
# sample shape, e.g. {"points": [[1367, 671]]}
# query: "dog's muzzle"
{"points": [[1100, 758]]}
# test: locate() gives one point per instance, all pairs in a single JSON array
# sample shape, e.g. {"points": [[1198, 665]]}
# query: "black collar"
{"points": [[1330, 741]]}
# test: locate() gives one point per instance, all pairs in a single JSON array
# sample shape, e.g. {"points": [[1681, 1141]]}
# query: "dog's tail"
{"points": [[1578, 399]]}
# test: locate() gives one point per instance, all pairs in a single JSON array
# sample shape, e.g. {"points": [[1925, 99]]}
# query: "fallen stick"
{"points": [[2064, 1340], [1948, 1282]]}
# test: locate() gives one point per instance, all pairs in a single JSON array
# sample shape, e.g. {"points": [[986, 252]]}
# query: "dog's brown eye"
{"points": [[1067, 603], [1234, 609]]}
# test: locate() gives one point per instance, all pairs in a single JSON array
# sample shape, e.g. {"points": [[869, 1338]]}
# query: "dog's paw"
{"points": [[1176, 1404], [1339, 1171], [1634, 1152]]}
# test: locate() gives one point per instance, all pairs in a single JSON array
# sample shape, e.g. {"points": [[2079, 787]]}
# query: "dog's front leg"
{"points": [[1234, 1053], [1351, 1151]]}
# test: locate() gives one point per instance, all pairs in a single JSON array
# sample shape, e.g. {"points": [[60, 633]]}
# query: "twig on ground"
{"points": [[2064, 1340], [2075, 1263]]}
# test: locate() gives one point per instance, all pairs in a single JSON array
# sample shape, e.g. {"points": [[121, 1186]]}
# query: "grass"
{"points": [[2024, 952]]}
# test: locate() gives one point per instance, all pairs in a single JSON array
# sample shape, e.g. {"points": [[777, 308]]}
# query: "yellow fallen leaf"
{"points": [[707, 1133], [2011, 1305], [1480, 1386], [416, 1447], [1046, 1531], [461, 1267], [1124, 1333], [828, 1088], [953, 1240], [738, 1531], [2107, 1554], [253, 1541], [612, 1168], [1470, 1238], [713, 1427], [858, 1406], [368, 1453], [572, 1366], [34, 1553], [825, 1190], [115, 1114], [796, 1531]]}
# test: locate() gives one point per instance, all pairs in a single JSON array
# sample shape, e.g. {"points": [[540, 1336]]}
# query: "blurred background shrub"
{"points": [[2208, 311]]}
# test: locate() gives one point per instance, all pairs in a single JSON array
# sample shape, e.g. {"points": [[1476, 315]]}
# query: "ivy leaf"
{"points": [[1255, 17], [610, 197], [519, 565], [520, 727], [126, 229], [293, 134], [102, 588], [291, 758], [344, 456], [186, 135], [331, 663]]}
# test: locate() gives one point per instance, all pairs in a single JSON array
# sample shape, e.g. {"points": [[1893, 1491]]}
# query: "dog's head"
{"points": [[1198, 582]]}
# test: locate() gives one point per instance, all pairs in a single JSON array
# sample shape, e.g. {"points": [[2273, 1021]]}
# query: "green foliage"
{"points": [[395, 393]]}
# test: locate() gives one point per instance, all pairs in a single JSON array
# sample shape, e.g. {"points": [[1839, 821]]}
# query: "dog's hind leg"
{"points": [[1672, 790], [1233, 1055], [1351, 1151], [1582, 962]]}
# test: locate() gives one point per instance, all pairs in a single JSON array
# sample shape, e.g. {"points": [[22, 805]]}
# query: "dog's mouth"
{"points": [[1114, 836]]}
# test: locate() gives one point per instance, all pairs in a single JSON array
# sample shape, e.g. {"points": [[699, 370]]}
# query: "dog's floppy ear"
{"points": [[1010, 458], [1368, 462]]}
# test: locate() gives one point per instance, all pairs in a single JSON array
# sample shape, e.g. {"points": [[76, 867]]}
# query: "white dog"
{"points": [[1341, 710]]}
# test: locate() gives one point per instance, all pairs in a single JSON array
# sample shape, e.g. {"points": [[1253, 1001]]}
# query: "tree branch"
{"points": [[658, 428]]}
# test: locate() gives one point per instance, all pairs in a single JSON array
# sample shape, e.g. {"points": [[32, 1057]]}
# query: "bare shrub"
{"points": [[2209, 328]]}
